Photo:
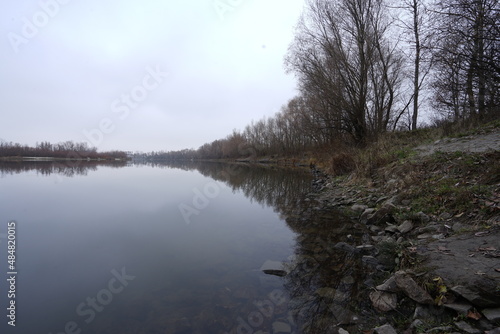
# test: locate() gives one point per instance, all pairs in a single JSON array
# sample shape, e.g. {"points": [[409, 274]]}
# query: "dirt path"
{"points": [[473, 143]]}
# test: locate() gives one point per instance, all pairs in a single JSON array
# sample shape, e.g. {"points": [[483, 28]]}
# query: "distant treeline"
{"points": [[64, 150], [365, 67]]}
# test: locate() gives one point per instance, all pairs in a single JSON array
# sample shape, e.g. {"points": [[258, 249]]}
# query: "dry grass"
{"points": [[388, 148]]}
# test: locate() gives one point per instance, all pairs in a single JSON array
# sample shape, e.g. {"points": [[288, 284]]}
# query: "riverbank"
{"points": [[433, 212]]}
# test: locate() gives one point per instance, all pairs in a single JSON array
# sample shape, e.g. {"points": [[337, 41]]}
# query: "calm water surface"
{"points": [[178, 249], [142, 249]]}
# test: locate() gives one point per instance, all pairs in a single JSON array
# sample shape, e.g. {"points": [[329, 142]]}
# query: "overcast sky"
{"points": [[141, 75]]}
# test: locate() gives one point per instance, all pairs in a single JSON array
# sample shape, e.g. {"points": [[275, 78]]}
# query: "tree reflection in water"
{"points": [[278, 188], [65, 168], [328, 281]]}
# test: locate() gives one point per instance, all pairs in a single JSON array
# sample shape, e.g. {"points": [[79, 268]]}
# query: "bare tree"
{"points": [[469, 34], [415, 21], [346, 67]]}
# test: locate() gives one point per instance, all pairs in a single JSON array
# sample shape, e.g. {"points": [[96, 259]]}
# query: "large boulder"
{"points": [[467, 264]]}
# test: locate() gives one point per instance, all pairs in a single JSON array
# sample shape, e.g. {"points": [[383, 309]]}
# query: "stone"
{"points": [[460, 308], [359, 208], [392, 183], [411, 288], [395, 200], [369, 260], [484, 324], [388, 207], [383, 238], [383, 301], [430, 314], [406, 202], [342, 331], [244, 293], [494, 331], [183, 325], [326, 292], [389, 285], [391, 229], [405, 227], [441, 329], [463, 326], [346, 247], [348, 280], [385, 329], [445, 216], [428, 229], [364, 216], [480, 293], [273, 268], [417, 323], [423, 217], [281, 327], [466, 270], [457, 227], [492, 314], [382, 215], [365, 248]]}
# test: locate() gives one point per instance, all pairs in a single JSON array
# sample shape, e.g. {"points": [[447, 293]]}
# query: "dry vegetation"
{"points": [[462, 184]]}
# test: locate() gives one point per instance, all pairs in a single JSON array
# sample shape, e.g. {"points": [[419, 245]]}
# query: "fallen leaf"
{"points": [[473, 314], [479, 234], [480, 273], [487, 249], [440, 300]]}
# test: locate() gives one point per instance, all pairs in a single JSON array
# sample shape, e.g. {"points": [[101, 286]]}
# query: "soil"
{"points": [[450, 192]]}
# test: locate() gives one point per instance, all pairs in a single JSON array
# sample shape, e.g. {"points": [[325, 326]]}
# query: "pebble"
{"points": [[492, 314], [463, 326], [385, 329], [460, 308], [457, 227], [405, 227], [391, 229], [383, 301], [281, 327]]}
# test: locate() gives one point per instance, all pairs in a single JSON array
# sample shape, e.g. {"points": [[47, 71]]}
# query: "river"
{"points": [[179, 248]]}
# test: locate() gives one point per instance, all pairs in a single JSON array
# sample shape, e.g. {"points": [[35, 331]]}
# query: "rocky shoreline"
{"points": [[442, 267]]}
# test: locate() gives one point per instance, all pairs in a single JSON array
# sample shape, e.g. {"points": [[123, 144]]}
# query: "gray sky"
{"points": [[141, 75]]}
